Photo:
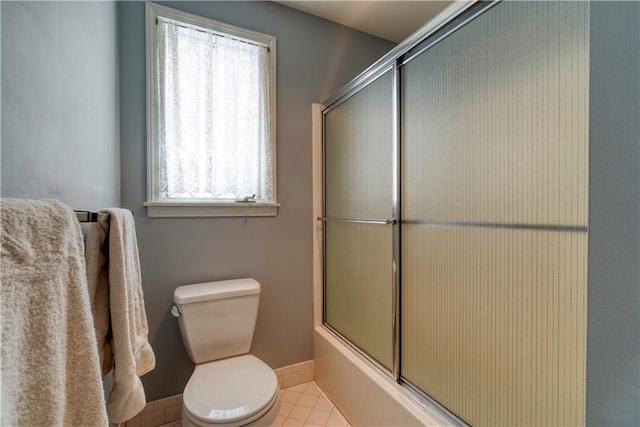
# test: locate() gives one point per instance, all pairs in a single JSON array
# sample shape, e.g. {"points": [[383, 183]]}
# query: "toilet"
{"points": [[228, 387]]}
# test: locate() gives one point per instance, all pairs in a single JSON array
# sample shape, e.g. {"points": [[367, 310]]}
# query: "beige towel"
{"points": [[50, 371], [125, 347], [97, 255]]}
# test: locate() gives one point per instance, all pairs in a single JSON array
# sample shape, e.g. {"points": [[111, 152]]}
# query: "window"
{"points": [[210, 117]]}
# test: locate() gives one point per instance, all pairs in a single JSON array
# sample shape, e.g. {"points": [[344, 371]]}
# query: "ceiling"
{"points": [[390, 20]]}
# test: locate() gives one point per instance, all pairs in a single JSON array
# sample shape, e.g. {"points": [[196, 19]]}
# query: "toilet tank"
{"points": [[217, 319]]}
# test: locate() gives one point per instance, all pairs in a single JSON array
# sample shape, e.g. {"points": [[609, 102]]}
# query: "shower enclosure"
{"points": [[455, 214]]}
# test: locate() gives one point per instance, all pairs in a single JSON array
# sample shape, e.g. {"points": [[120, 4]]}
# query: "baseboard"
{"points": [[158, 413], [298, 373]]}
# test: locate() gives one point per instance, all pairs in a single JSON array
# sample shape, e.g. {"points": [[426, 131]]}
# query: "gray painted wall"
{"points": [[60, 140], [613, 334], [60, 135], [315, 58]]}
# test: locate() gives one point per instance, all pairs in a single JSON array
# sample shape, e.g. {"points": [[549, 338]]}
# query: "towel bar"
{"points": [[88, 216]]}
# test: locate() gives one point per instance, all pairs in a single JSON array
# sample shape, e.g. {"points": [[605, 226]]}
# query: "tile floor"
{"points": [[302, 405], [306, 405]]}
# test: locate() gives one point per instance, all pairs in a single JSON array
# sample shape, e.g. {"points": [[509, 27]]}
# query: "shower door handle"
{"points": [[359, 221]]}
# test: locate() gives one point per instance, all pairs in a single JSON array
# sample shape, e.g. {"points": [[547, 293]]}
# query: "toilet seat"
{"points": [[231, 392]]}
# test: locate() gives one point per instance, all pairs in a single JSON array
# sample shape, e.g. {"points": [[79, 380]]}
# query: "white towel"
{"points": [[50, 370], [125, 347]]}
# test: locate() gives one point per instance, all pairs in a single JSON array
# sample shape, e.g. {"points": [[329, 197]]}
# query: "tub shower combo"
{"points": [[452, 223]]}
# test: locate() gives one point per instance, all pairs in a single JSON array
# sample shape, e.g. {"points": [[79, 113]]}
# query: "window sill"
{"points": [[211, 209]]}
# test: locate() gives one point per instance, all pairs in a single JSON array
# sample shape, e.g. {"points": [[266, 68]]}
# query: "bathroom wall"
{"points": [[62, 121], [60, 136], [315, 58], [613, 340]]}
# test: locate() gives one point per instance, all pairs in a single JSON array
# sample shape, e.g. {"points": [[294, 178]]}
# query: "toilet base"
{"points": [[264, 420]]}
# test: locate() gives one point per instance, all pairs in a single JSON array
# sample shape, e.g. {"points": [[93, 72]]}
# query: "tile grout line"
{"points": [[307, 415]]}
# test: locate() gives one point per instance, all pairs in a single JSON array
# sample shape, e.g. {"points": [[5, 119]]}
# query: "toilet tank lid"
{"points": [[215, 290]]}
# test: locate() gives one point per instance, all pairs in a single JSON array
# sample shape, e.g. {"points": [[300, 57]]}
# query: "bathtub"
{"points": [[364, 395]]}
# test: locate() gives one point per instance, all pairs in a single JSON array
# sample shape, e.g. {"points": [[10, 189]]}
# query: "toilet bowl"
{"points": [[238, 391], [228, 387]]}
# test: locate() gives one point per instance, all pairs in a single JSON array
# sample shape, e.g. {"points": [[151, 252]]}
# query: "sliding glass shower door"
{"points": [[494, 219], [358, 178], [463, 171]]}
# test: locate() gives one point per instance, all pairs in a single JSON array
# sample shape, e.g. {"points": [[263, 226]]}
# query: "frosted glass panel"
{"points": [[358, 154], [358, 286], [495, 119], [494, 323], [358, 185], [494, 216]]}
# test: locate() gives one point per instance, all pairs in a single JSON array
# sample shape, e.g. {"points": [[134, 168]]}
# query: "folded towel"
{"points": [[125, 348], [50, 370]]}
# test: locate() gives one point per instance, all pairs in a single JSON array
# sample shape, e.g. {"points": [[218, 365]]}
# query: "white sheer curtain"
{"points": [[214, 117]]}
